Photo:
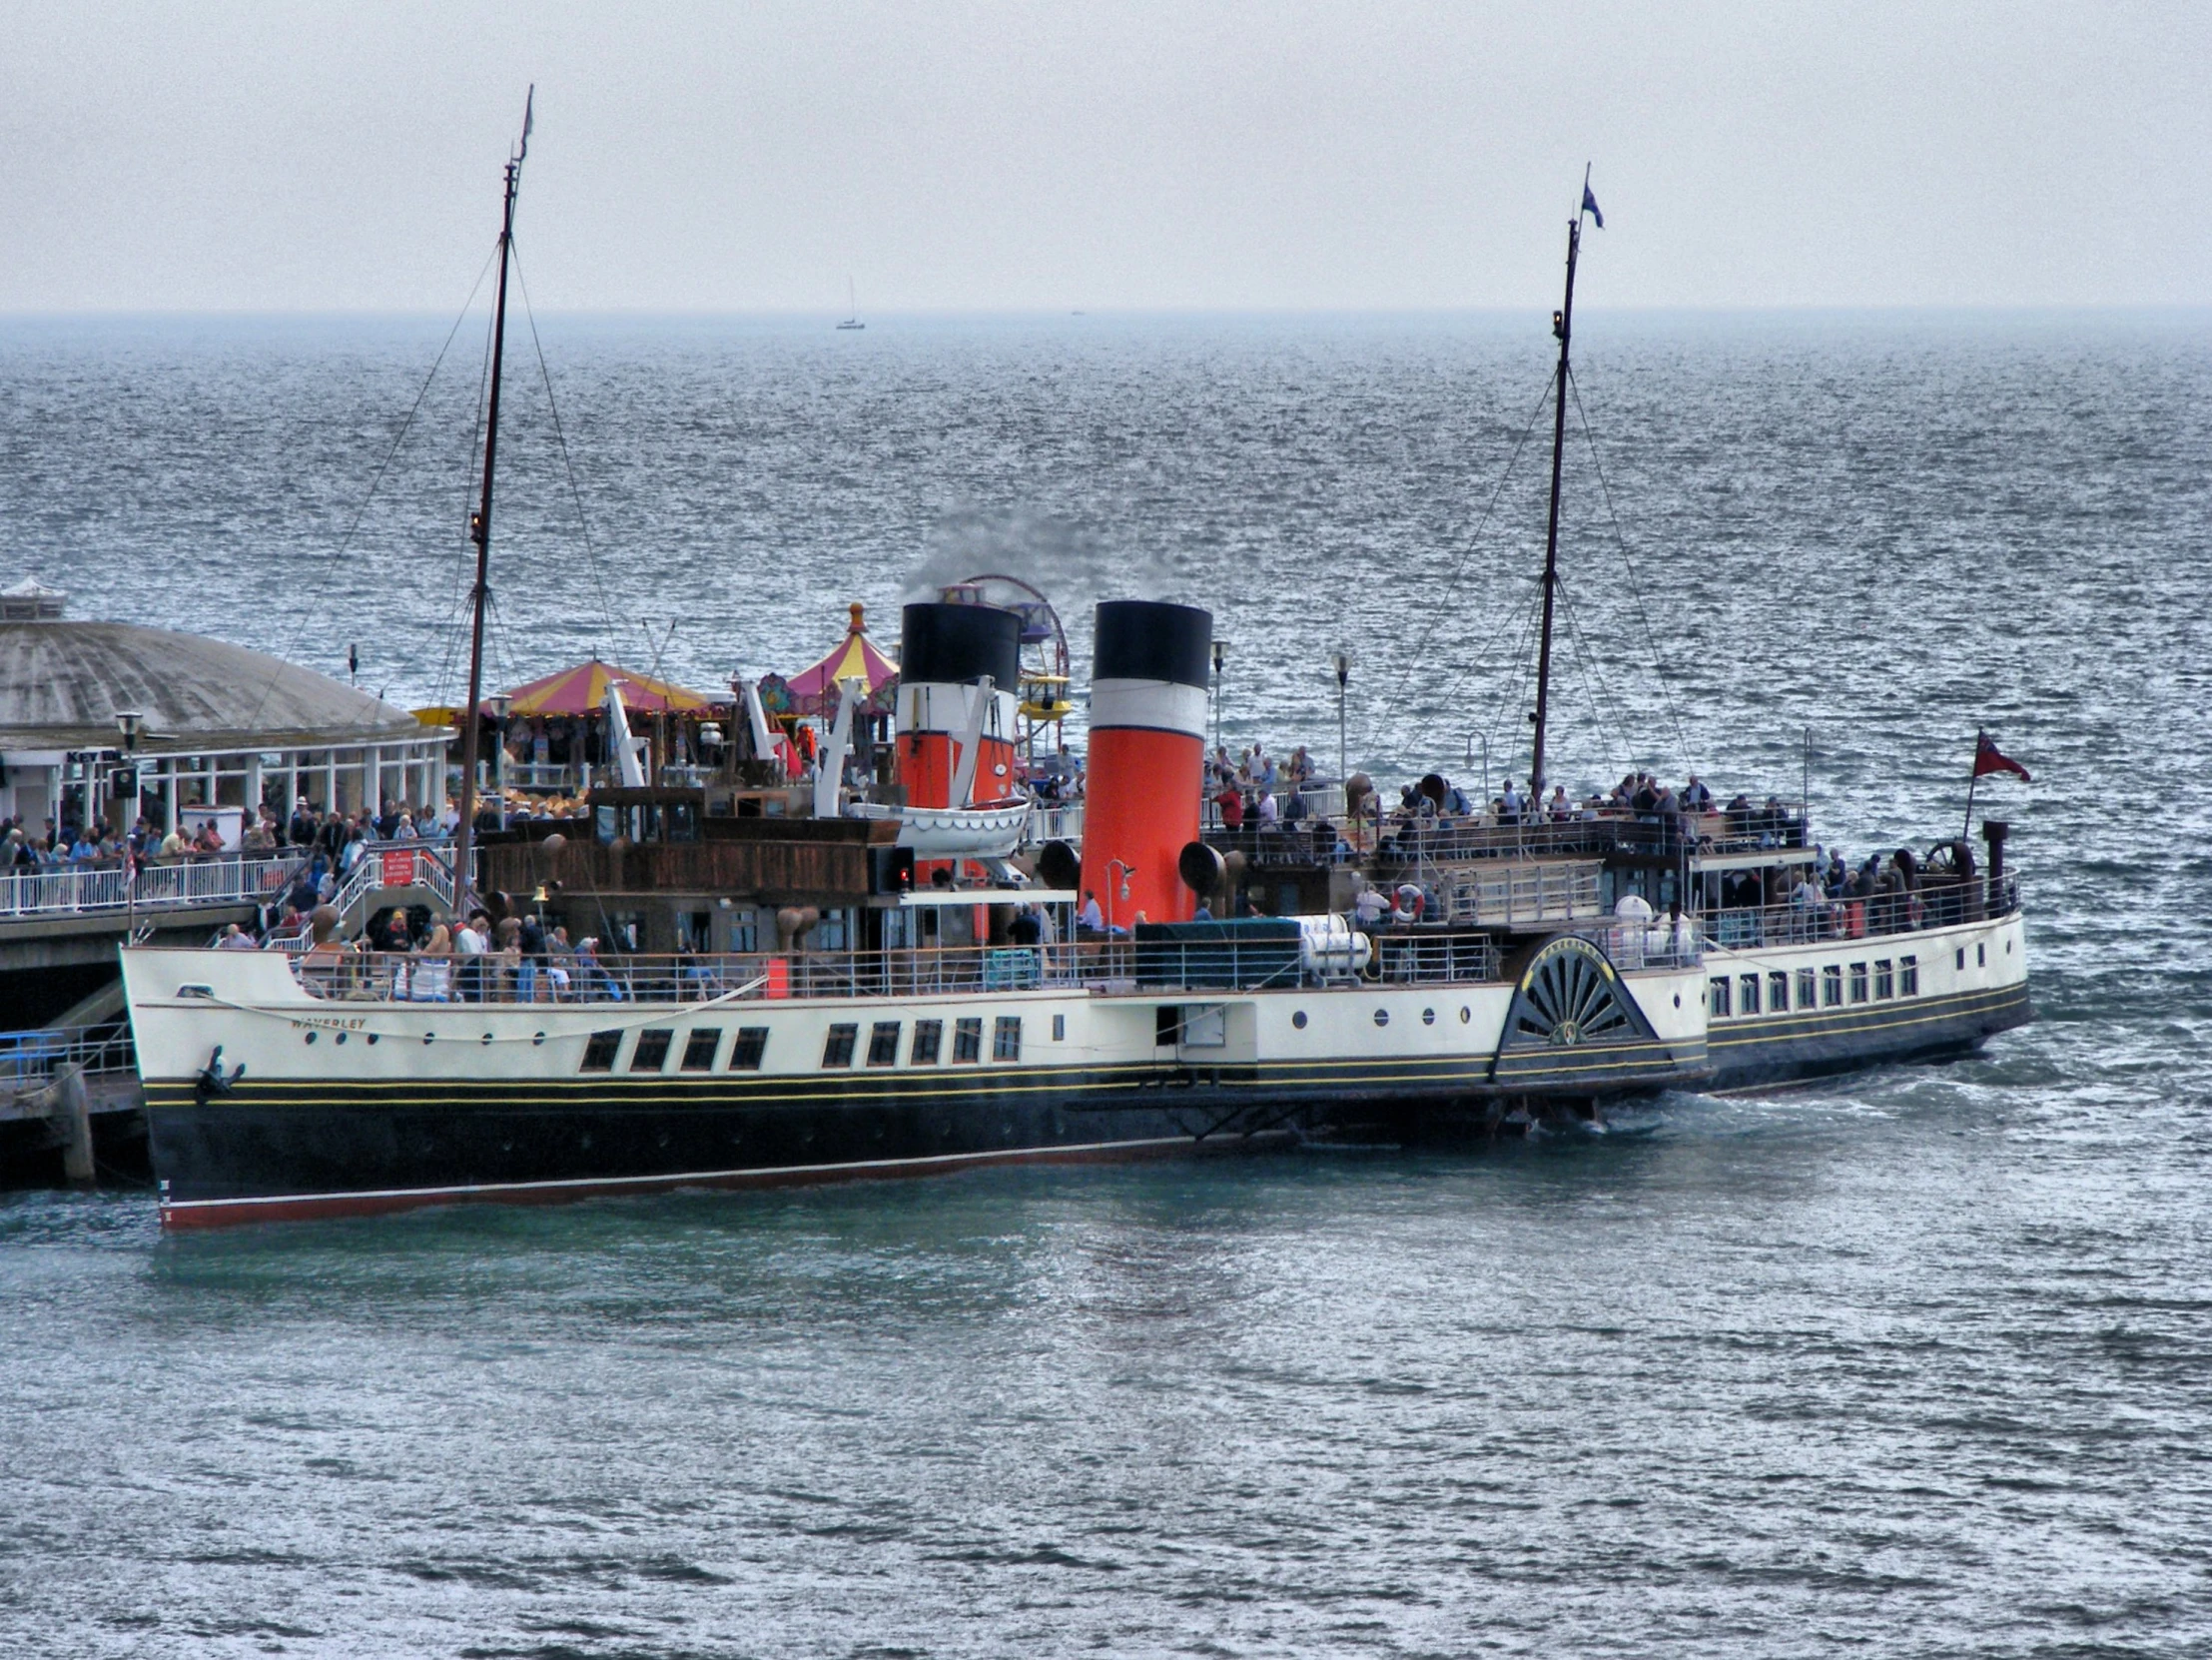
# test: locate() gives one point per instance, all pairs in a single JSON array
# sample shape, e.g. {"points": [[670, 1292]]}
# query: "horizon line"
{"points": [[2017, 309]]}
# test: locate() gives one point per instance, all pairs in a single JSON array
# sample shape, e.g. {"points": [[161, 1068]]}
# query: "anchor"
{"points": [[212, 1081]]}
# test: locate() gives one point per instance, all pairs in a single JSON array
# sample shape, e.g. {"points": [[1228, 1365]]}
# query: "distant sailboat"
{"points": [[852, 309]]}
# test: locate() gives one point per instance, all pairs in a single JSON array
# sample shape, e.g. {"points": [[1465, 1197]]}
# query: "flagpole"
{"points": [[1973, 778]]}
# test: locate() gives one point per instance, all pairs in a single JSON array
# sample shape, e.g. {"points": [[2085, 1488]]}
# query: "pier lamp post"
{"points": [[1343, 680], [1485, 742], [1221, 654], [500, 702], [130, 722]]}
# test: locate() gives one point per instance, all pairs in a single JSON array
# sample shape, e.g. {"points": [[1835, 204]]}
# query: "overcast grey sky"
{"points": [[1107, 154]]}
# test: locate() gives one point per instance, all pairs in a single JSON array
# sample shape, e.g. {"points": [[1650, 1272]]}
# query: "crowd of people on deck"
{"points": [[1257, 791], [413, 957]]}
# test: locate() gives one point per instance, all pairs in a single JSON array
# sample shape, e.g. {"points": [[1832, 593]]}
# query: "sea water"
{"points": [[1911, 1362]]}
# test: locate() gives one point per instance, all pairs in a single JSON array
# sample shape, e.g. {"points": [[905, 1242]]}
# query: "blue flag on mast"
{"points": [[1590, 206]]}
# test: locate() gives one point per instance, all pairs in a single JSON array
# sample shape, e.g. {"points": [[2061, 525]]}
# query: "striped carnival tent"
{"points": [[583, 690], [814, 689]]}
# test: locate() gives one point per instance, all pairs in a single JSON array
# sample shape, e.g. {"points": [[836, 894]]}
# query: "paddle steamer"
{"points": [[887, 988]]}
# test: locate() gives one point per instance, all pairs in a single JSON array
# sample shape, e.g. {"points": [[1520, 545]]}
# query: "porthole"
{"points": [[537, 1039], [1382, 1017], [487, 1037], [1678, 999], [1465, 1014], [1428, 1017], [1297, 1018], [310, 1037], [429, 1037], [340, 1037], [373, 1040]]}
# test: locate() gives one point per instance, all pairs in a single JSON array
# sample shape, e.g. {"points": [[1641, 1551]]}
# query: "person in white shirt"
{"points": [[1270, 814], [1090, 916], [1370, 907]]}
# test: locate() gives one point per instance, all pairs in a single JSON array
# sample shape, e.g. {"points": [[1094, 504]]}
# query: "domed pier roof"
{"points": [[62, 682]]}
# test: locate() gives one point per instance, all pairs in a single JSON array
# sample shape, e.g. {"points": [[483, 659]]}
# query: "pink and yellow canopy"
{"points": [[583, 690], [814, 688]]}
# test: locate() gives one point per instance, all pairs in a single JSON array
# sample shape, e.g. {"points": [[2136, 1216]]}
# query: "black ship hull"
{"points": [[1787, 1048]]}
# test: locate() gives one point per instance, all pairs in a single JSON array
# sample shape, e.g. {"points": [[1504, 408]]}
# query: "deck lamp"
{"points": [[1344, 679], [500, 702], [1221, 654], [130, 723]]}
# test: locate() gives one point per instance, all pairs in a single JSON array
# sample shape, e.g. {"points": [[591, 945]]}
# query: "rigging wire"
{"points": [[309, 616], [1467, 550], [1511, 693], [575, 492], [1594, 676], [1620, 541]]}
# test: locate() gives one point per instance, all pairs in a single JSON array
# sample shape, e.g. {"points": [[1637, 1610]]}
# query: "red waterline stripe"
{"points": [[231, 1212]]}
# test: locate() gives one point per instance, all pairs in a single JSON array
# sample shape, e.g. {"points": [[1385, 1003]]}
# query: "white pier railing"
{"points": [[188, 884]]}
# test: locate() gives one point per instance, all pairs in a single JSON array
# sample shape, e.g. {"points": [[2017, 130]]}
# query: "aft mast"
{"points": [[479, 532], [1563, 321]]}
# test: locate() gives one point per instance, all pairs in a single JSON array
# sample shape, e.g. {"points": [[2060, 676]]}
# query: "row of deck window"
{"points": [[1826, 988], [703, 1045]]}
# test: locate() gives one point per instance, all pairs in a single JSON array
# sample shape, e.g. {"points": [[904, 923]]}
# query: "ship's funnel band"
{"points": [[924, 706], [1149, 706]]}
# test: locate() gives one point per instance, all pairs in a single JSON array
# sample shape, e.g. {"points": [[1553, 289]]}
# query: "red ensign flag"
{"points": [[1988, 758]]}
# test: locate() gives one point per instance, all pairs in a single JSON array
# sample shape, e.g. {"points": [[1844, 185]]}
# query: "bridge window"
{"points": [[601, 1051], [1886, 980], [967, 1040], [883, 1044], [1831, 985], [750, 1048], [1858, 982], [837, 1047], [929, 1037], [651, 1052], [1717, 989], [699, 1048], [1747, 994], [1778, 991], [1005, 1039], [1909, 976]]}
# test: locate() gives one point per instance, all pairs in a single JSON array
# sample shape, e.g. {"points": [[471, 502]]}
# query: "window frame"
{"points": [[1886, 980], [750, 1050], [1778, 991], [968, 1040], [1909, 976], [1861, 983], [1005, 1039], [1748, 1000], [928, 1044], [1831, 985], [693, 1059], [838, 1044], [655, 1041], [1809, 989], [882, 1042], [601, 1050], [1719, 997]]}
